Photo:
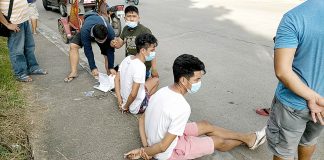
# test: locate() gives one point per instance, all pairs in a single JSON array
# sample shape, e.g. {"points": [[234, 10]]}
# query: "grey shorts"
{"points": [[288, 128]]}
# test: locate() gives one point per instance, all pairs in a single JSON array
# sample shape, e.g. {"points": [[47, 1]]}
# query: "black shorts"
{"points": [[76, 39]]}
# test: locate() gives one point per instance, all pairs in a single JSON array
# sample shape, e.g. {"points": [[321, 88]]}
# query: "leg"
{"points": [[225, 145], [285, 128], [16, 46], [306, 152], [32, 64], [34, 25], [308, 141], [205, 128], [74, 61], [151, 85]]}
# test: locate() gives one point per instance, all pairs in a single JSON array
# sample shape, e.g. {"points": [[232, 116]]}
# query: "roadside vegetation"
{"points": [[14, 143]]}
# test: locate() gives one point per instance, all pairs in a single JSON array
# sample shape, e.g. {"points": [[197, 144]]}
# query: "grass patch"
{"points": [[13, 136]]}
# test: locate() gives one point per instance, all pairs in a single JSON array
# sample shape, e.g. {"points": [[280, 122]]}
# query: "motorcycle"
{"points": [[70, 25]]}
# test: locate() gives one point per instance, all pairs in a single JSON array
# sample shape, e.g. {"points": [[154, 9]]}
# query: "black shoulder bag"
{"points": [[4, 31]]}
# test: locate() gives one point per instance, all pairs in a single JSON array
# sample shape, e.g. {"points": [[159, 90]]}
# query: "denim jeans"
{"points": [[22, 50]]}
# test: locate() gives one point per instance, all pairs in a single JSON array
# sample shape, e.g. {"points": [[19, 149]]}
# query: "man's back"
{"points": [[302, 28], [132, 70], [167, 111]]}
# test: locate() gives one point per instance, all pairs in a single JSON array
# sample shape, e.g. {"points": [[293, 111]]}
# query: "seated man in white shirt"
{"points": [[132, 91], [164, 128]]}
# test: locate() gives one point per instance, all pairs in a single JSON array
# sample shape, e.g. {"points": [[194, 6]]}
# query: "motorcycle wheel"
{"points": [[45, 4], [116, 25], [62, 32], [136, 2]]}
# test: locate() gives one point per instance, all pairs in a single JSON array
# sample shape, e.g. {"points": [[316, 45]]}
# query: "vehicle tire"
{"points": [[136, 2], [62, 32], [62, 10], [45, 4], [116, 25]]}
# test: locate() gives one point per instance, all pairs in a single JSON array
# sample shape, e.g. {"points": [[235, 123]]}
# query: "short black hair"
{"points": [[131, 9], [145, 40], [100, 31], [185, 65]]}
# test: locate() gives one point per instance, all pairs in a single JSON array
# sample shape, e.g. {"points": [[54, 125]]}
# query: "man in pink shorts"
{"points": [[164, 128]]}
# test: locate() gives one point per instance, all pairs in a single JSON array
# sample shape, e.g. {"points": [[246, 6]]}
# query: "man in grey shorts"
{"points": [[296, 118]]}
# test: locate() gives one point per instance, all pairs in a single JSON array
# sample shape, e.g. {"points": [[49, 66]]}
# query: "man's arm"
{"points": [[283, 59], [132, 96], [13, 27], [86, 41], [141, 126], [154, 68], [154, 149]]}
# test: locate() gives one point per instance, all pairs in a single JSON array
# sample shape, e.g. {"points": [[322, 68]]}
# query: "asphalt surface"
{"points": [[232, 38]]}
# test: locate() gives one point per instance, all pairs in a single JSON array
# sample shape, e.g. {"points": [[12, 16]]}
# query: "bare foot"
{"points": [[70, 77]]}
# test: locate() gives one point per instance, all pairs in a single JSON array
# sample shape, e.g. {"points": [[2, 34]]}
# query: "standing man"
{"points": [[132, 29], [296, 118], [20, 42], [95, 28], [164, 128]]}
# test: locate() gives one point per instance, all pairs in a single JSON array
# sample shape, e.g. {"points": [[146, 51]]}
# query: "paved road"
{"points": [[233, 38]]}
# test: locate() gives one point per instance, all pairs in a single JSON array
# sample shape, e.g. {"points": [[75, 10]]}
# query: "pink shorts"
{"points": [[191, 146]]}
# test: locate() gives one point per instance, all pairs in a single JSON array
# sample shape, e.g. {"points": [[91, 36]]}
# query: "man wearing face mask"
{"points": [[164, 128], [95, 28], [132, 91], [132, 29]]}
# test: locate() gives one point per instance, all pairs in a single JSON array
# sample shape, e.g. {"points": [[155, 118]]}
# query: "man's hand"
{"points": [[137, 154], [316, 107], [13, 27], [95, 73], [113, 43], [155, 73], [134, 154], [112, 71]]}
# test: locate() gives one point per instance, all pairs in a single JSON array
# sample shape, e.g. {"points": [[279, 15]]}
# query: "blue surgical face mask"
{"points": [[194, 87], [150, 57], [131, 24]]}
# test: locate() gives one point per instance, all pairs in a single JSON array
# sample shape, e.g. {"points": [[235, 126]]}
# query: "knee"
{"points": [[74, 47]]}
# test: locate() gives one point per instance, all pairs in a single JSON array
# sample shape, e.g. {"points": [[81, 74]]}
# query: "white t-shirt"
{"points": [[167, 111], [19, 12], [132, 70]]}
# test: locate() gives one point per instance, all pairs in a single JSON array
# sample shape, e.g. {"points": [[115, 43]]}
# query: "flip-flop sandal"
{"points": [[70, 78], [263, 111], [260, 138], [24, 78], [38, 71]]}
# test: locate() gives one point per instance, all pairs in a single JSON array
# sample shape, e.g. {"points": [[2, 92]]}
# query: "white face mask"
{"points": [[194, 87], [131, 24], [150, 57]]}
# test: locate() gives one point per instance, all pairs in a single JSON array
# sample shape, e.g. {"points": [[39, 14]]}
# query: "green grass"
{"points": [[13, 136]]}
